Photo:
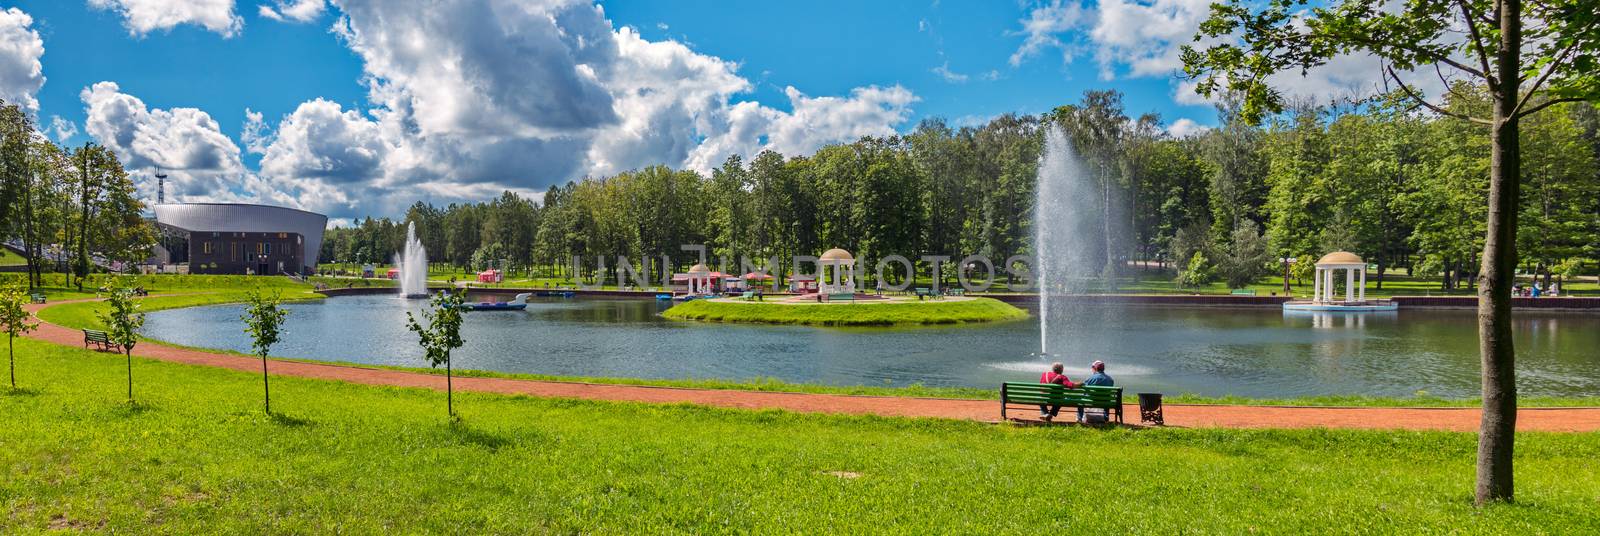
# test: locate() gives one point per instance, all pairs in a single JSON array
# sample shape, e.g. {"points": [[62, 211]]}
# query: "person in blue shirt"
{"points": [[1098, 377]]}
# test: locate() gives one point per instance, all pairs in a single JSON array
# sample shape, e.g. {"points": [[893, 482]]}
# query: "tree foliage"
{"points": [[14, 322], [439, 335], [122, 320], [263, 321]]}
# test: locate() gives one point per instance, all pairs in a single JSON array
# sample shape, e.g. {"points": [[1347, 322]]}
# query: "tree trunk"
{"points": [[11, 350], [449, 390], [1497, 431], [266, 391], [128, 352]]}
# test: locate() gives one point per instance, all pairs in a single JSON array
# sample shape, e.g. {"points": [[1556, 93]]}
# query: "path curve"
{"points": [[1200, 416]]}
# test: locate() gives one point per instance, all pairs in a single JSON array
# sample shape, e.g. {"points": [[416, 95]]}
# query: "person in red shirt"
{"points": [[1054, 375]]}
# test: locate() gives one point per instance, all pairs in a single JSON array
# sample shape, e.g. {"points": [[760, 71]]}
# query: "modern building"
{"points": [[231, 238]]}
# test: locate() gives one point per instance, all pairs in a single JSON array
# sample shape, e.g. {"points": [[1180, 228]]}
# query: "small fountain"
{"points": [[413, 266], [1065, 228]]}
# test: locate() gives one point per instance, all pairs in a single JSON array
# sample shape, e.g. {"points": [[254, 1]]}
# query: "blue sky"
{"points": [[363, 106]]}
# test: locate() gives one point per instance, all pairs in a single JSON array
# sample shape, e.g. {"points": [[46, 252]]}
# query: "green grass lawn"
{"points": [[850, 314], [11, 258], [197, 455]]}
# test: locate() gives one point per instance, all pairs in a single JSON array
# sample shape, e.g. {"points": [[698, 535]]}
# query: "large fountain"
{"points": [[1065, 227], [413, 265]]}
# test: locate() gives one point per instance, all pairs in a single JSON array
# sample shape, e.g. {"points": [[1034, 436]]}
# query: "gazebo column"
{"points": [[1329, 291], [1316, 287], [1349, 285], [1363, 284]]}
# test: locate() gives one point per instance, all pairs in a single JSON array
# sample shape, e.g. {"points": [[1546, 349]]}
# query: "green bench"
{"points": [[1244, 292], [747, 295], [101, 339], [36, 298], [847, 296], [1050, 394], [925, 292]]}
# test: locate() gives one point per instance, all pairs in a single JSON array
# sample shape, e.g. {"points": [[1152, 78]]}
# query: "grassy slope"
{"points": [[84, 315], [879, 314], [11, 258], [197, 456]]}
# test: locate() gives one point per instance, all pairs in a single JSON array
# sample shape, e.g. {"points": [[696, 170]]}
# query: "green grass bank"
{"points": [[197, 455], [850, 314]]}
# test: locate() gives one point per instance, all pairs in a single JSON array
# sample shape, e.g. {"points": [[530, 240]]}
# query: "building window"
{"points": [[206, 247], [233, 251], [283, 235], [266, 248]]}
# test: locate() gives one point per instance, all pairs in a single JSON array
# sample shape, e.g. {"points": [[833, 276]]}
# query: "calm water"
{"points": [[1209, 351]]}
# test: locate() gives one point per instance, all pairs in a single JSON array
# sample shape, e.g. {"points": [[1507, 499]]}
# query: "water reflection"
{"points": [[1211, 351]]}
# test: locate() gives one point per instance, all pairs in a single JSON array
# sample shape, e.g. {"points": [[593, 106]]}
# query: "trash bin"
{"points": [[1150, 409]]}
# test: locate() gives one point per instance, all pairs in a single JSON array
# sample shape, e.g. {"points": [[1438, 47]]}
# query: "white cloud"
{"points": [[1143, 39], [21, 73], [184, 142], [144, 16], [948, 75], [485, 96], [814, 122], [293, 10], [1041, 29], [1185, 127], [256, 135], [494, 95], [62, 129]]}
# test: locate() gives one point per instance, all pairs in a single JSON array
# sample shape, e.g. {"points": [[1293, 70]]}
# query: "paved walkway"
{"points": [[1455, 419]]}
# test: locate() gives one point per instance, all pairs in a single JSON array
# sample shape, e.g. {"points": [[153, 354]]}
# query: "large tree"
{"points": [[1529, 57]]}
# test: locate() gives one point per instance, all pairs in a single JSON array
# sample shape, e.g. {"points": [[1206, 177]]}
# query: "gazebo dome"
{"points": [[836, 254], [699, 269], [1340, 257]]}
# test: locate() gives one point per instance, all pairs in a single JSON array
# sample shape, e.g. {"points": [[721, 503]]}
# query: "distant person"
{"points": [[1536, 290], [1098, 378], [1054, 375], [1555, 289]]}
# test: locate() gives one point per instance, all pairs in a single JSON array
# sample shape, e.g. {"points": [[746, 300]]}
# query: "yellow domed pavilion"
{"points": [[1355, 278]]}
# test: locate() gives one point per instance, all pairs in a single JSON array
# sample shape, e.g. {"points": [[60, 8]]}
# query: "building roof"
{"points": [[836, 254], [246, 218], [1340, 257], [699, 269]]}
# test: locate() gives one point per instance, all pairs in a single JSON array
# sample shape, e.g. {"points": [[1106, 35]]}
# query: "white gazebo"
{"points": [[1355, 278], [843, 272], [700, 279]]}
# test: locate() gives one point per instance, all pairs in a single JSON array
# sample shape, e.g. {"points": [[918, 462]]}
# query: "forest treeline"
{"points": [[1399, 186]]}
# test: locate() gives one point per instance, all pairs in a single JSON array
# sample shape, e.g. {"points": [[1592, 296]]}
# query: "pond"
{"points": [[1210, 351]]}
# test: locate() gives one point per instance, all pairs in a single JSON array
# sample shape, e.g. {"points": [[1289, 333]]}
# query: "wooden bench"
{"points": [[1244, 292], [925, 292], [1049, 394], [36, 298], [847, 296], [101, 339]]}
